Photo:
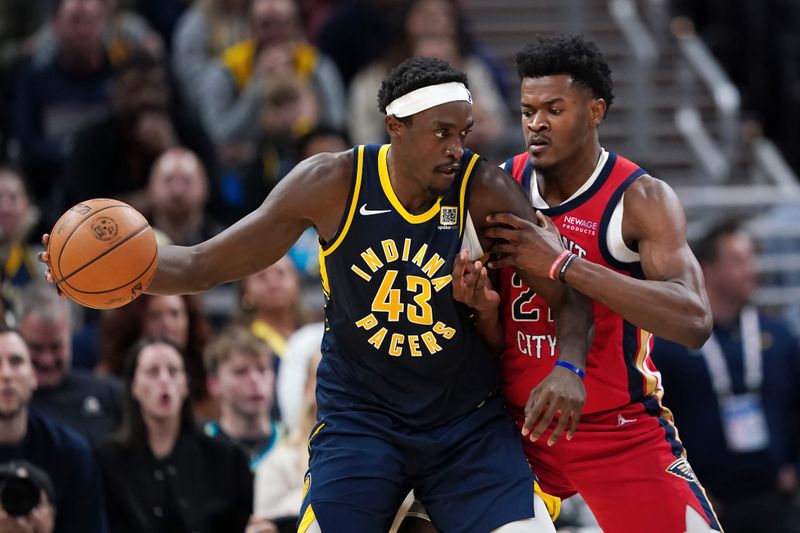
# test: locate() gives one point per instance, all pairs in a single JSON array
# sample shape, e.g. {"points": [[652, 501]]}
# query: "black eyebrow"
{"points": [[439, 124], [546, 102]]}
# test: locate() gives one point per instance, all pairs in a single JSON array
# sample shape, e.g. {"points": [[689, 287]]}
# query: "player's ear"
{"points": [[597, 111], [393, 126]]}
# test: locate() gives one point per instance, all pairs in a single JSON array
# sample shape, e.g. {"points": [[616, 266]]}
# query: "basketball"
{"points": [[103, 253]]}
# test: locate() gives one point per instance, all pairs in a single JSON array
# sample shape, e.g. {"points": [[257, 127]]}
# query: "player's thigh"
{"points": [[356, 481], [634, 477], [480, 479]]}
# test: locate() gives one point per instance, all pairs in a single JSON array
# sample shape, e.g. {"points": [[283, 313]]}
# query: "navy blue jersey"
{"points": [[395, 340]]}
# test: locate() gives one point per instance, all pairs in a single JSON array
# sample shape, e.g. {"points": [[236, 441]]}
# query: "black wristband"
{"points": [[562, 272]]}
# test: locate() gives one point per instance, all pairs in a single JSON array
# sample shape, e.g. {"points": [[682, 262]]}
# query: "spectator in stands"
{"points": [[179, 318], [89, 404], [737, 398], [177, 194], [125, 32], [433, 28], [113, 158], [164, 16], [241, 377], [18, 216], [279, 478], [290, 110], [19, 22], [301, 349], [271, 304], [41, 518], [204, 31], [55, 99], [359, 32], [322, 139], [232, 93], [62, 453], [162, 473]]}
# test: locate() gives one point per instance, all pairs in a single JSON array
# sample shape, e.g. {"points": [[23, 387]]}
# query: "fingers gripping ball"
{"points": [[103, 253]]}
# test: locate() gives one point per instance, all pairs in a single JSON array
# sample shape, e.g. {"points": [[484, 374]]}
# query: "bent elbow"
{"points": [[698, 332]]}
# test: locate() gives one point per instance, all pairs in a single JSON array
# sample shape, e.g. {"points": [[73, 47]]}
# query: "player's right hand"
{"points": [[524, 245], [561, 393]]}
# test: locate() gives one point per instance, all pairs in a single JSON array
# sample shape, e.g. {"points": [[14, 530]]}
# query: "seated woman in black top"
{"points": [[161, 474]]}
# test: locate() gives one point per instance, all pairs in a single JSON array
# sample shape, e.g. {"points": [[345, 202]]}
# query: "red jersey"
{"points": [[619, 370]]}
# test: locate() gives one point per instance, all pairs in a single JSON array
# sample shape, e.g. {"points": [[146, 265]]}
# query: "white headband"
{"points": [[428, 97]]}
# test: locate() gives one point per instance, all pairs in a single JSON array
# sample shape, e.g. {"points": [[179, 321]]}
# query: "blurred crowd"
{"points": [[192, 111]]}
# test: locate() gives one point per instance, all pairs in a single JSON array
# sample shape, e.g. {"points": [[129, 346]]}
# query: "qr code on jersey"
{"points": [[448, 216]]}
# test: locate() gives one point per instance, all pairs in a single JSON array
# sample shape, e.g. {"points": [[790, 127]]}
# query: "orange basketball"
{"points": [[103, 253]]}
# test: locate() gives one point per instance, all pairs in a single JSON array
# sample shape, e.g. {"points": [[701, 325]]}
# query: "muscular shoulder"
{"points": [[326, 169], [316, 190], [649, 205], [493, 190]]}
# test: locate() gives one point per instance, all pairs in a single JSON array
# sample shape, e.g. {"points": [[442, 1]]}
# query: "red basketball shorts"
{"points": [[628, 465]]}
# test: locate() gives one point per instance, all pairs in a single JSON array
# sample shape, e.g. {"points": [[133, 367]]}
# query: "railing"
{"points": [[645, 51]]}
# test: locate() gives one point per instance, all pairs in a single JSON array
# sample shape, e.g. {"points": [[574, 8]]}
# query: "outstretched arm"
{"points": [[314, 193], [671, 302]]}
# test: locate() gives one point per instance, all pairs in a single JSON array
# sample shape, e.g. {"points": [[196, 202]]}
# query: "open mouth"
{"points": [[448, 170], [164, 400]]}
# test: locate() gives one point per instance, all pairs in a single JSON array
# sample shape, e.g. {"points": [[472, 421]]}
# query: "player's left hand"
{"points": [[519, 243], [561, 392], [472, 286]]}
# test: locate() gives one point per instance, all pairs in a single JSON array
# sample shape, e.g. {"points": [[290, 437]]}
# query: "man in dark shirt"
{"points": [[87, 403], [59, 451], [736, 399], [54, 98], [112, 158]]}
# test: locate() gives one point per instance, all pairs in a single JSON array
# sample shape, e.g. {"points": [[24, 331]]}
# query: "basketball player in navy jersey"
{"points": [[625, 232], [406, 389]]}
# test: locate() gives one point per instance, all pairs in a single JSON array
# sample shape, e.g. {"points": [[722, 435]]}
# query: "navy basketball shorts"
{"points": [[471, 473]]}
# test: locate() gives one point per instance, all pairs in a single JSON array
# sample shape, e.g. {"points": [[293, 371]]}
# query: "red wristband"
{"points": [[557, 263]]}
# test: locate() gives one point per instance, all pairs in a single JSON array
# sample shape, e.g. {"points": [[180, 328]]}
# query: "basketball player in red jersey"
{"points": [[625, 235]]}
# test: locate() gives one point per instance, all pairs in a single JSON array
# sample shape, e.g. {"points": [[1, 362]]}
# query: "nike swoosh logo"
{"points": [[367, 212]]}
